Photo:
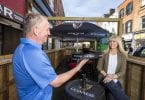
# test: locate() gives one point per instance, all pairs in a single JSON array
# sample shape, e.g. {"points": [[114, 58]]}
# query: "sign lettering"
{"points": [[8, 13]]}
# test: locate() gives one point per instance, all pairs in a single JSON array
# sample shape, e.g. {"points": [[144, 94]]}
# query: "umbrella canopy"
{"points": [[83, 30]]}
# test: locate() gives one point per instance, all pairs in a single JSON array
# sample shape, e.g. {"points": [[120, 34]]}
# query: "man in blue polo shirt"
{"points": [[32, 69]]}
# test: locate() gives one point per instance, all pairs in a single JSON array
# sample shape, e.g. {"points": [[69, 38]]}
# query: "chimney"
{"points": [[112, 11]]}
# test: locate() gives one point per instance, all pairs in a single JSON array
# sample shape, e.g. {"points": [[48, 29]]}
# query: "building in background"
{"points": [[112, 27], [58, 12], [133, 14], [12, 14]]}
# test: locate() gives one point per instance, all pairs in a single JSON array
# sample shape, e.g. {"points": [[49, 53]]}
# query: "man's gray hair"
{"points": [[32, 20]]}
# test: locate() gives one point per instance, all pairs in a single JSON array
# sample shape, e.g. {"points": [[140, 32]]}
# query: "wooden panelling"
{"points": [[135, 78], [135, 75]]}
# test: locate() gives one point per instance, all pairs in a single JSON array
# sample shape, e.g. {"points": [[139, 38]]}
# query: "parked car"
{"points": [[140, 52]]}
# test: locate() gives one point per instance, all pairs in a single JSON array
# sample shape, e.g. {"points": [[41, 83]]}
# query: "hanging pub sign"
{"points": [[8, 13]]}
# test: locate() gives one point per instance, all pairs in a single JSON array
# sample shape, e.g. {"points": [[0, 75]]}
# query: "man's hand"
{"points": [[62, 78], [81, 64]]}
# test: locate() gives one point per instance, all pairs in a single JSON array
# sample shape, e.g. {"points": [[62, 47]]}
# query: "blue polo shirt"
{"points": [[32, 71]]}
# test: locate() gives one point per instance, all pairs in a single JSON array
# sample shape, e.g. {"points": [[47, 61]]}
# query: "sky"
{"points": [[89, 8]]}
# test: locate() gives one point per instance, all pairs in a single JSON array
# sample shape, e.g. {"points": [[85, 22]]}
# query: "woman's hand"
{"points": [[107, 79], [110, 77], [103, 73]]}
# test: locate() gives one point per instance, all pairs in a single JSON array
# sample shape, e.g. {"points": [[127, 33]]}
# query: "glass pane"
{"points": [[143, 2], [143, 22]]}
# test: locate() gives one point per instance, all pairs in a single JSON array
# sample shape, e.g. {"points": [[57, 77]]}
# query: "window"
{"points": [[113, 30], [51, 4], [143, 22], [143, 2], [121, 13], [128, 26], [129, 8]]}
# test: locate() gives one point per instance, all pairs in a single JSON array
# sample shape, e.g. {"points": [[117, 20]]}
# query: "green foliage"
{"points": [[101, 47]]}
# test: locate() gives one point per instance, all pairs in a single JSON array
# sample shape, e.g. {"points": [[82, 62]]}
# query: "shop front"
{"points": [[11, 25], [127, 40], [134, 40], [140, 39]]}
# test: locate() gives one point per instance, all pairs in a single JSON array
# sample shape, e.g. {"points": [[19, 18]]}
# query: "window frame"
{"points": [[128, 28], [142, 23], [129, 8], [121, 13]]}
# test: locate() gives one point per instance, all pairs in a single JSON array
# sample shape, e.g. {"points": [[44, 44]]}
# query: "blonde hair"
{"points": [[31, 20], [120, 46]]}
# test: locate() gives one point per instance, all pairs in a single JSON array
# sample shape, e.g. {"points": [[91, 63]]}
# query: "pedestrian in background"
{"points": [[32, 69], [130, 50], [112, 68]]}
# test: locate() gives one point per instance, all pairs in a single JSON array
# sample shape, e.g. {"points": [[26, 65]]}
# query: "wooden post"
{"points": [[128, 77], [5, 81], [95, 45], [120, 28]]}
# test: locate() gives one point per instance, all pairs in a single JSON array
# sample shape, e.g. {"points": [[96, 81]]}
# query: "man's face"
{"points": [[44, 31]]}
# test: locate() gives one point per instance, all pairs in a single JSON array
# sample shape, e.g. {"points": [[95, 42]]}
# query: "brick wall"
{"points": [[137, 13]]}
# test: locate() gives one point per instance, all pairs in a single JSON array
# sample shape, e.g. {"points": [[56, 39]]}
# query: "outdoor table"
{"points": [[89, 68], [91, 91]]}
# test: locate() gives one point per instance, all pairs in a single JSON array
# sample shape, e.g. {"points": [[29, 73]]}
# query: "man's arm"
{"points": [[62, 78]]}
